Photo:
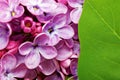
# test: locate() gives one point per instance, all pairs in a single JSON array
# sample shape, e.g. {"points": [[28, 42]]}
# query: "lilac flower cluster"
{"points": [[39, 39]]}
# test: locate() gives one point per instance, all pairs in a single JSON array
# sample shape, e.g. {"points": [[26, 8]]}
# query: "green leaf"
{"points": [[99, 34]]}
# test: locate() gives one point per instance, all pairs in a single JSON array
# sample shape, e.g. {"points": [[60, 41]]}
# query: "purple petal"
{"points": [[75, 14], [32, 60], [44, 17], [76, 48], [1, 68], [5, 16], [5, 32], [56, 76], [20, 71], [13, 2], [54, 39], [73, 66], [8, 62], [31, 74], [25, 48], [60, 44], [41, 39], [19, 10], [75, 27], [48, 52], [65, 32], [64, 70], [47, 70], [69, 42], [60, 8], [59, 21], [3, 42], [49, 7], [75, 3], [64, 53]]}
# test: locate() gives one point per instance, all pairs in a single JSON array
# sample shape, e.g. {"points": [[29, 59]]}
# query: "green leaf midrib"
{"points": [[103, 20]]}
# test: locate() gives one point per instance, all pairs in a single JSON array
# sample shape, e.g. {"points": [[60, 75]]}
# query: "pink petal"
{"points": [[20, 71], [9, 62], [47, 70], [75, 14], [64, 53], [33, 59], [65, 63], [41, 39], [65, 32], [25, 48], [64, 70], [48, 52]]}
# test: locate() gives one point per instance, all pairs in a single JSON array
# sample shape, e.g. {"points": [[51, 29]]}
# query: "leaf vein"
{"points": [[104, 21]]}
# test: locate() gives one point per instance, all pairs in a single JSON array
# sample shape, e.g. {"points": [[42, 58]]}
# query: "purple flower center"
{"points": [[6, 73], [35, 7], [50, 30]]}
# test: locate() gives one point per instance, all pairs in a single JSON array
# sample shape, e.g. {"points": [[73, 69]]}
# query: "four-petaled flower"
{"points": [[10, 9], [36, 50], [58, 29]]}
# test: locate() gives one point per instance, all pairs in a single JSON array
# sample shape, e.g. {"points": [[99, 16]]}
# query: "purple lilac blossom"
{"points": [[35, 49], [10, 9], [10, 69], [58, 29]]}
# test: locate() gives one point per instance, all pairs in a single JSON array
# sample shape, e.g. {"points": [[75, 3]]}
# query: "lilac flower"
{"points": [[5, 32], [76, 12], [10, 9], [32, 51], [37, 7], [58, 29], [9, 69], [28, 25], [45, 69], [64, 52]]}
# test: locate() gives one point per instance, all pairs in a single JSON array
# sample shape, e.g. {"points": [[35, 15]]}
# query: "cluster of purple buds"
{"points": [[39, 39]]}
